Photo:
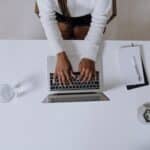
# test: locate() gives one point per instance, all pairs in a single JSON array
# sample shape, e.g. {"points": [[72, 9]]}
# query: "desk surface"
{"points": [[28, 124]]}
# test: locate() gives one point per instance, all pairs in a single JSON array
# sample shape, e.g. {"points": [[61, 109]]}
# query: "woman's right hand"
{"points": [[63, 70]]}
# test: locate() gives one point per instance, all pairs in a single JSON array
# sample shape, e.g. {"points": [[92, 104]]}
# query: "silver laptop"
{"points": [[77, 91]]}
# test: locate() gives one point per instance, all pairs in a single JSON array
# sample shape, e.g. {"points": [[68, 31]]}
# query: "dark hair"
{"points": [[64, 8]]}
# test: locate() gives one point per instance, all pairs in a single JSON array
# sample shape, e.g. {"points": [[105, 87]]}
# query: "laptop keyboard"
{"points": [[76, 83]]}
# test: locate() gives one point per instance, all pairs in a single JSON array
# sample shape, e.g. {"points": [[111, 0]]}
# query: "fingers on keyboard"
{"points": [[75, 84]]}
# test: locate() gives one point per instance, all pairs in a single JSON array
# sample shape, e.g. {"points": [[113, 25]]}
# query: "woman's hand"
{"points": [[63, 70], [87, 69]]}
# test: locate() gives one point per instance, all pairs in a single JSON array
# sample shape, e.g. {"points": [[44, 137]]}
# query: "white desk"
{"points": [[25, 123]]}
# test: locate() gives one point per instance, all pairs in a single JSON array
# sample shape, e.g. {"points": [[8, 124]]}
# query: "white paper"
{"points": [[131, 65]]}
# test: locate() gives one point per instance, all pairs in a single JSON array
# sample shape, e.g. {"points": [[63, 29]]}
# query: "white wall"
{"points": [[133, 20], [18, 21]]}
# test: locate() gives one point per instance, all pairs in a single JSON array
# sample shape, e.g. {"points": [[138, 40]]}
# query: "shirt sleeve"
{"points": [[49, 23], [95, 34]]}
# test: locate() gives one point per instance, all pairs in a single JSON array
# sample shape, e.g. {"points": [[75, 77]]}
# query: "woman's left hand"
{"points": [[87, 69]]}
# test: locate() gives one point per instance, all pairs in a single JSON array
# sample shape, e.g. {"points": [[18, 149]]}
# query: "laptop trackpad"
{"points": [[77, 97]]}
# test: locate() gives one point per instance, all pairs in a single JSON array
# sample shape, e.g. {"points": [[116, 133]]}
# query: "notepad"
{"points": [[130, 62]]}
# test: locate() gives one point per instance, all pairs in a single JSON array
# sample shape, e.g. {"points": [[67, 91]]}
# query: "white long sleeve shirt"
{"points": [[99, 10]]}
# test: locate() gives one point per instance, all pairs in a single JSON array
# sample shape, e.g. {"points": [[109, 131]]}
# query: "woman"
{"points": [[74, 19]]}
